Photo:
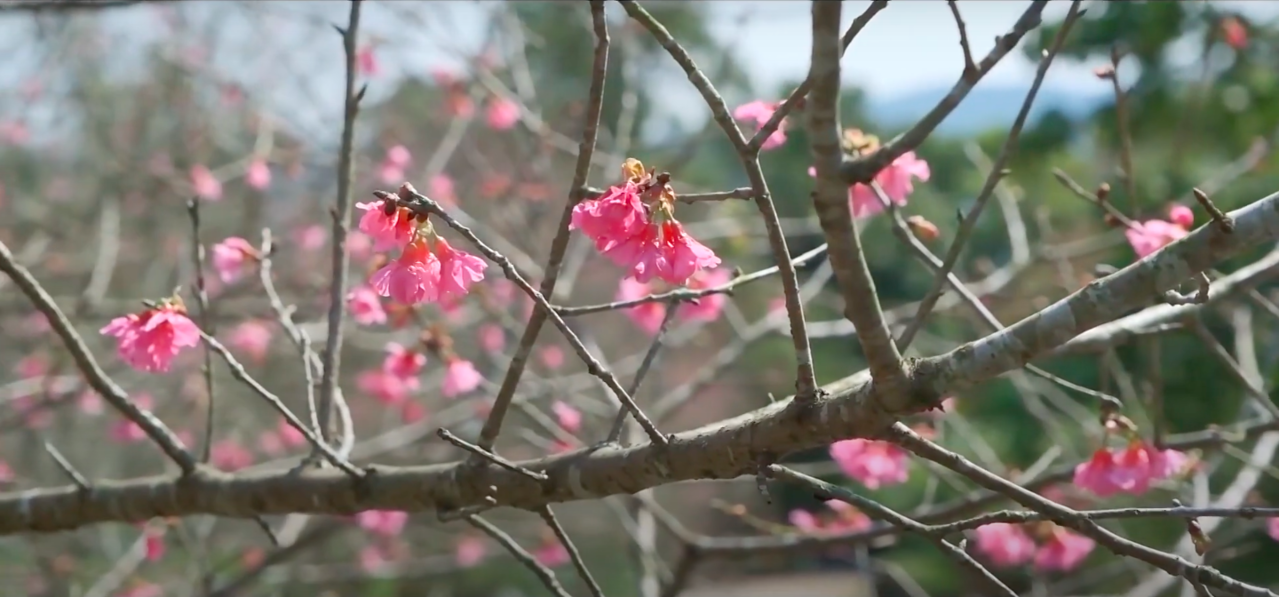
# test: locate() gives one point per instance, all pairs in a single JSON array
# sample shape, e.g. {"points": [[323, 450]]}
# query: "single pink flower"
{"points": [[389, 226], [365, 306], [551, 356], [258, 174], [897, 181], [568, 417], [458, 269], [366, 61], [1064, 552], [647, 316], [387, 523], [873, 463], [469, 551], [709, 307], [1006, 545], [1152, 235], [614, 217], [682, 255], [402, 362], [232, 257], [502, 113], [460, 377], [229, 455], [205, 184], [412, 278], [388, 389], [251, 337], [149, 341], [492, 338], [1096, 474], [760, 112], [398, 155]]}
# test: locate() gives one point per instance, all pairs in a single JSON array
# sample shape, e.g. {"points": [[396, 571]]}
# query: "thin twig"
{"points": [[341, 225], [202, 303], [970, 67], [586, 151], [519, 553], [650, 356], [574, 555], [64, 464], [448, 436]]}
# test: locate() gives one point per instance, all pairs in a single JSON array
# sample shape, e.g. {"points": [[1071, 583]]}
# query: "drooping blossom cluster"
{"points": [[873, 463], [429, 268], [840, 517], [1131, 469], [760, 112], [896, 180], [1008, 545], [633, 224], [149, 341], [1151, 235]]}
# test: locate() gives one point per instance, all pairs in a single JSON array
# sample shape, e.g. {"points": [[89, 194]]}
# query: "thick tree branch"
{"points": [[861, 303], [723, 450]]}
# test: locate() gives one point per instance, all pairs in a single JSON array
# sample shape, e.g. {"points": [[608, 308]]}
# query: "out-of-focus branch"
{"points": [[38, 6]]}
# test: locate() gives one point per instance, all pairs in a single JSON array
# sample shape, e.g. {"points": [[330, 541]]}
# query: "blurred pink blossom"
{"points": [[386, 388], [401, 361], [387, 523], [552, 356], [6, 473], [251, 337], [125, 431], [551, 553], [366, 61], [1151, 235], [760, 112], [229, 455], [873, 463], [709, 307], [258, 174], [1131, 470], [442, 189], [841, 517], [1005, 544], [502, 113], [897, 181], [1272, 528], [469, 551], [232, 257], [460, 377], [90, 402], [647, 316], [492, 338], [205, 184], [310, 237], [1064, 552], [365, 306], [568, 417], [14, 132]]}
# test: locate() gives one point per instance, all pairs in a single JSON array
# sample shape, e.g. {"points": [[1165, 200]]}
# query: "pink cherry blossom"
{"points": [[1130, 470], [388, 389], [402, 362], [89, 402], [229, 455], [682, 255], [502, 113], [205, 184], [289, 435], [251, 337], [568, 417], [613, 218], [551, 356], [492, 338], [1272, 528], [460, 377], [311, 237], [458, 269], [232, 258], [125, 431], [398, 155], [374, 558], [149, 341], [33, 365], [760, 112], [709, 307], [1064, 552], [873, 463], [392, 229], [387, 523], [366, 61], [258, 174], [412, 411], [647, 316], [897, 181], [412, 278], [365, 306], [839, 517], [1005, 545], [153, 543], [469, 551], [1151, 235]]}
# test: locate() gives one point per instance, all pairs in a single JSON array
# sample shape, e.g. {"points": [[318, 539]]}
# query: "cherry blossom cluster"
{"points": [[1008, 545], [896, 180], [428, 269], [1154, 234], [633, 224]]}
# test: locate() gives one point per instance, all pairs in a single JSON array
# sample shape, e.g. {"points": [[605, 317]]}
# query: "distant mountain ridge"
{"points": [[984, 108]]}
